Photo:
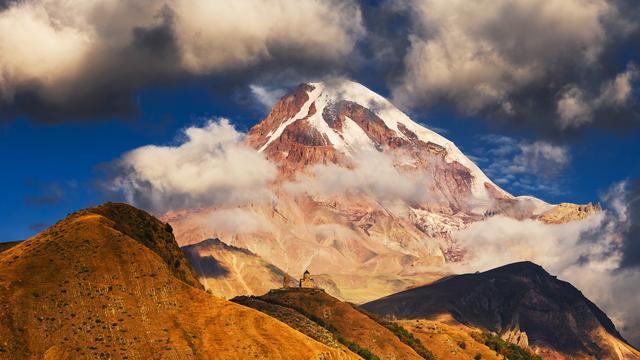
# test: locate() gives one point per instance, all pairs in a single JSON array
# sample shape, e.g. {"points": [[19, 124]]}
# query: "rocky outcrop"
{"points": [[515, 336], [566, 212]]}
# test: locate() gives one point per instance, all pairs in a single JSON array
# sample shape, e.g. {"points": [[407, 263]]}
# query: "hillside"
{"points": [[230, 271], [343, 318], [449, 341], [292, 318], [522, 303], [111, 282]]}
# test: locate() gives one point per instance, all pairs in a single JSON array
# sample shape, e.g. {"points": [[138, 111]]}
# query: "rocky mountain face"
{"points": [[523, 304], [111, 282], [408, 190]]}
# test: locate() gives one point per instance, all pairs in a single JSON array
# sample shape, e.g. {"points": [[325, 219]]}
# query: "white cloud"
{"points": [[617, 92], [587, 253], [373, 173], [214, 34], [500, 240], [540, 157], [210, 166], [267, 97], [233, 221], [34, 47], [573, 108]]}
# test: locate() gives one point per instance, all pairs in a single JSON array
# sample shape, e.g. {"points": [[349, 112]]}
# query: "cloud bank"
{"points": [[537, 63], [552, 65], [209, 166], [63, 59], [598, 255]]}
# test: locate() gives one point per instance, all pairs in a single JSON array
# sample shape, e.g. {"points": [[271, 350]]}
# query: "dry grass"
{"points": [[448, 340]]}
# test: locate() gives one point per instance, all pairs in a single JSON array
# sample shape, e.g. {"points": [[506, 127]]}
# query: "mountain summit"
{"points": [[365, 196], [342, 117]]}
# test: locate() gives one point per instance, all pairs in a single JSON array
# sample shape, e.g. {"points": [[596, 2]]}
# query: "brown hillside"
{"points": [[110, 282], [350, 323], [292, 318]]}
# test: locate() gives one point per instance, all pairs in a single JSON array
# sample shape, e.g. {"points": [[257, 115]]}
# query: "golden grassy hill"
{"points": [[344, 319], [449, 340], [110, 282]]}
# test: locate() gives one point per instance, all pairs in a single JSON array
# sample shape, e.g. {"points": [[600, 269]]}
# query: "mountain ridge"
{"points": [[521, 302]]}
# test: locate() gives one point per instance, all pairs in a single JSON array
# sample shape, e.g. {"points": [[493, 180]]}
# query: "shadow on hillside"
{"points": [[206, 266]]}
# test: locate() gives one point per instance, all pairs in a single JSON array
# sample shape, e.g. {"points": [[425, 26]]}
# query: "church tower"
{"points": [[307, 280]]}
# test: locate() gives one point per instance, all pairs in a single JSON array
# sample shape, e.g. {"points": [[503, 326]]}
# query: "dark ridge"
{"points": [[210, 267], [205, 266], [520, 295]]}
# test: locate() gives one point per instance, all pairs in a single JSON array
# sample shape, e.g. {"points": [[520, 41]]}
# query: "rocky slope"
{"points": [[522, 303], [565, 212], [111, 282], [362, 189]]}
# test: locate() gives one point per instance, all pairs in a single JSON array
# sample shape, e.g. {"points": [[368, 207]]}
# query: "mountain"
{"points": [[521, 302], [225, 270], [365, 197], [111, 282]]}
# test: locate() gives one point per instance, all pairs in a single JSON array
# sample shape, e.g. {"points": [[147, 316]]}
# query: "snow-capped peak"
{"points": [[351, 135]]}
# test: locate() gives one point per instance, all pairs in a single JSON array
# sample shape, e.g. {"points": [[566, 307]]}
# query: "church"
{"points": [[305, 282]]}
